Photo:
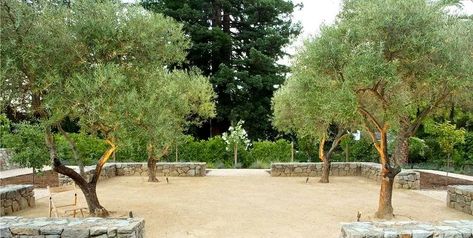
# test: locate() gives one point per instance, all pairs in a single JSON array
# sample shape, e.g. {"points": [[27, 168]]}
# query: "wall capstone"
{"points": [[462, 228], [72, 227]]}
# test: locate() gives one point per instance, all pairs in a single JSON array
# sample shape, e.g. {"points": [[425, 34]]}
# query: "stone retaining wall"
{"points": [[15, 198], [438, 181], [407, 179], [71, 227], [460, 197], [188, 169], [108, 171], [39, 179], [463, 228]]}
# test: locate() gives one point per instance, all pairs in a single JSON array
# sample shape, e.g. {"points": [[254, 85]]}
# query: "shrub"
{"points": [[4, 129], [259, 165], [28, 145], [210, 151], [90, 148], [268, 151], [358, 150]]}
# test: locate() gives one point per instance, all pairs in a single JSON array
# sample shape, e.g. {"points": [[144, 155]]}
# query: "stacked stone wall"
{"points": [[40, 179], [460, 198], [407, 179], [463, 228], [15, 198], [438, 181], [189, 169], [108, 171], [72, 227]]}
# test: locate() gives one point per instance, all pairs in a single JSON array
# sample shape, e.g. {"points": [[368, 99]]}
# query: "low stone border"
{"points": [[463, 228], [72, 227], [407, 179], [15, 198], [187, 169], [460, 198]]}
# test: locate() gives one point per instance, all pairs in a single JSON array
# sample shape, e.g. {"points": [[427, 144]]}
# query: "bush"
{"points": [[358, 150], [259, 165], [268, 151], [211, 151], [28, 145], [90, 148], [4, 129]]}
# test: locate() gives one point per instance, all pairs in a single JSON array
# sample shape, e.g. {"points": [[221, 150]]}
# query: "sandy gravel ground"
{"points": [[252, 206]]}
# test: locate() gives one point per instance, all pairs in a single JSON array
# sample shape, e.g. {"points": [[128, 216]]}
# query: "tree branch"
{"points": [[73, 146], [102, 161]]}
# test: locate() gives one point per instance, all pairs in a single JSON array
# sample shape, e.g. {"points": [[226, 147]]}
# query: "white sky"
{"points": [[318, 12]]}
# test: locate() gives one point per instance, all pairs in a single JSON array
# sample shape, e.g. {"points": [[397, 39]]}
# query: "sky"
{"points": [[318, 12]]}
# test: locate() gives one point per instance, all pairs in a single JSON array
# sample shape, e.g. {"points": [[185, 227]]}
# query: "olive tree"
{"points": [[165, 103], [313, 103], [84, 57], [400, 60]]}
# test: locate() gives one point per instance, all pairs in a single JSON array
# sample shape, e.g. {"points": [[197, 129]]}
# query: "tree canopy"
{"points": [[237, 44], [399, 61]]}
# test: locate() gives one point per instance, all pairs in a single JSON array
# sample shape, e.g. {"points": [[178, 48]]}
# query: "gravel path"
{"points": [[238, 172], [251, 206]]}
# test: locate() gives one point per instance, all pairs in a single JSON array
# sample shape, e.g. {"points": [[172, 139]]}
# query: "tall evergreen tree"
{"points": [[237, 43]]}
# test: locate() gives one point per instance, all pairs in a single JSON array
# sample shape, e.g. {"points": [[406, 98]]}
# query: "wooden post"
{"points": [[292, 151], [177, 156], [448, 169], [235, 154], [346, 153]]}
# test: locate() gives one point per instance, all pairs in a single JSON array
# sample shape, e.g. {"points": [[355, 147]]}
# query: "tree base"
{"points": [[384, 215], [100, 212], [323, 180], [153, 180]]}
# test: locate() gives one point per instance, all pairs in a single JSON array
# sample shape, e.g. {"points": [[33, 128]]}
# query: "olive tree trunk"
{"points": [[88, 188], [389, 170], [325, 157]]}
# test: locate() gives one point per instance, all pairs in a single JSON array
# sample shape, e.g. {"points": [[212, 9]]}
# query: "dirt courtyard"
{"points": [[252, 206]]}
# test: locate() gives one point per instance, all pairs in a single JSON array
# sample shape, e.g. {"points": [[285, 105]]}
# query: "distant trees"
{"points": [[237, 44], [102, 64], [399, 61]]}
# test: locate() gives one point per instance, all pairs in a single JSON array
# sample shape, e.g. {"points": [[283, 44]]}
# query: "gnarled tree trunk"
{"points": [[152, 159], [326, 162], [151, 164], [388, 172], [88, 188], [325, 157]]}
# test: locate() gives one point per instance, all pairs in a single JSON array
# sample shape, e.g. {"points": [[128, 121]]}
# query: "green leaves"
{"points": [[447, 135], [28, 145]]}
